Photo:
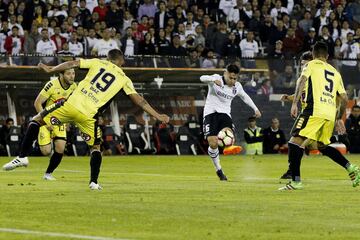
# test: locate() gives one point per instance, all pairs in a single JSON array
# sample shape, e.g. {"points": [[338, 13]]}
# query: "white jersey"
{"points": [[219, 98]]}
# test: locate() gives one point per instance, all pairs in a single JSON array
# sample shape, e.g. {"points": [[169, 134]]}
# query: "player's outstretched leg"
{"points": [[295, 154], [336, 156], [214, 154], [55, 159], [25, 147], [95, 163]]}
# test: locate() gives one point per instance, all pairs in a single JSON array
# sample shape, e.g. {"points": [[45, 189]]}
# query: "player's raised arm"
{"points": [[216, 78], [246, 99], [141, 102], [59, 68]]}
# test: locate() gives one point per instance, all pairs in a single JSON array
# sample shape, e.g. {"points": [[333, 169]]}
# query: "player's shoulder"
{"points": [[54, 82], [238, 85]]}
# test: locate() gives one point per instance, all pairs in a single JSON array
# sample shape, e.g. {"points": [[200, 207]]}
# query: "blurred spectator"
{"points": [[13, 22], [91, 39], [208, 30], [344, 31], [287, 79], [266, 29], [31, 40], [255, 22], [14, 44], [254, 138], [320, 21], [306, 23], [128, 18], [350, 50], [335, 30], [143, 27], [161, 16], [279, 9], [227, 5], [101, 9], [146, 47], [265, 88], [353, 129], [240, 31], [232, 49], [4, 135], [178, 51], [148, 8], [58, 39], [291, 44], [46, 47], [179, 16], [193, 61], [103, 46], [276, 60], [249, 49], [138, 35], [84, 13], [237, 13], [309, 40], [274, 138], [277, 33], [325, 37], [4, 33], [199, 39], [162, 44], [210, 61], [219, 40], [114, 17], [75, 47], [129, 45]]}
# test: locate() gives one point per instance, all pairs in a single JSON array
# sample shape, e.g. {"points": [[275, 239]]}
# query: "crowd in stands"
{"points": [[194, 33]]}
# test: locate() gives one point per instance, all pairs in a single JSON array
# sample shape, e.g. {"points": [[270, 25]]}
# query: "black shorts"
{"points": [[300, 123], [213, 123]]}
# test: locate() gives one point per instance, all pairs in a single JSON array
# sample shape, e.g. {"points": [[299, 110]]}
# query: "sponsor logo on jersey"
{"points": [[55, 121], [85, 136]]}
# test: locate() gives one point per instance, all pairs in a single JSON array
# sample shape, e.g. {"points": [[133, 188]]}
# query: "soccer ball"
{"points": [[225, 138]]}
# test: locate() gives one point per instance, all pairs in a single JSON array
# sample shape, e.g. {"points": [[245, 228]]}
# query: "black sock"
{"points": [[54, 162], [31, 134], [95, 163], [336, 156], [295, 155]]}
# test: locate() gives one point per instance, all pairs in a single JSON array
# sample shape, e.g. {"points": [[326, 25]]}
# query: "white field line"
{"points": [[54, 234]]}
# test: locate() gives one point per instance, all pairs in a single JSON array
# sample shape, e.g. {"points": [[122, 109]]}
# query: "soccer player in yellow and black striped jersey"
{"points": [[58, 89], [323, 85], [104, 80]]}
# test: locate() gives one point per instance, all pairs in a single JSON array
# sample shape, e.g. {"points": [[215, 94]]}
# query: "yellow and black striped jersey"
{"points": [[54, 91]]}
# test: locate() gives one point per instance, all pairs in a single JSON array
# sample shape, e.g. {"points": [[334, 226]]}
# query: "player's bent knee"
{"points": [[321, 146], [212, 142], [95, 148], [60, 145], [45, 150], [297, 140]]}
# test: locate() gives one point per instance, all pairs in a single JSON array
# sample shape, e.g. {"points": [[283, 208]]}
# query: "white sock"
{"points": [[214, 154]]}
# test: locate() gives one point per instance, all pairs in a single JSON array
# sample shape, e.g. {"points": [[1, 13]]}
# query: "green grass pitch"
{"points": [[179, 197]]}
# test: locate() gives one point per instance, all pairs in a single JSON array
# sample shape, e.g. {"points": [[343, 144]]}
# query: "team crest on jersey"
{"points": [[85, 136], [55, 121], [234, 90]]}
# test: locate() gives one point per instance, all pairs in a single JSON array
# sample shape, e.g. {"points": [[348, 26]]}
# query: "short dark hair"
{"points": [[251, 119], [320, 49], [115, 54], [355, 107], [15, 27], [9, 120], [306, 56], [232, 68]]}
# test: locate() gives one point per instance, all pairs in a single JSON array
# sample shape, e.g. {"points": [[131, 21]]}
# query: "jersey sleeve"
{"points": [[88, 63], [129, 87], [210, 78], [46, 91], [341, 88], [306, 70]]}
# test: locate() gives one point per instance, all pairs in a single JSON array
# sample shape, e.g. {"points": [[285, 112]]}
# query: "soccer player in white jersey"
{"points": [[217, 111]]}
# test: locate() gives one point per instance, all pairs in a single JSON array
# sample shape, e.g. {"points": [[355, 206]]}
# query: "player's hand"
{"points": [[285, 98], [164, 118], [219, 83], [294, 110], [257, 114], [44, 67], [50, 127], [340, 127]]}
